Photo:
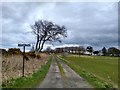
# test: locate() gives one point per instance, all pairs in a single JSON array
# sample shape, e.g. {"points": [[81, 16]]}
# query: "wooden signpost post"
{"points": [[23, 45]]}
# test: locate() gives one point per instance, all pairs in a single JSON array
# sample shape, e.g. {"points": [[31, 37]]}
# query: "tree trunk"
{"points": [[37, 43], [40, 43], [42, 46]]}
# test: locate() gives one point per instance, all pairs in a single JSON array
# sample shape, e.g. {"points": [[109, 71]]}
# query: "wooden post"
{"points": [[23, 45]]}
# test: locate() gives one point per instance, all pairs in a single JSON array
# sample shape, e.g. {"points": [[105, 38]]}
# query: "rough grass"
{"points": [[31, 81], [60, 68], [12, 66], [100, 71]]}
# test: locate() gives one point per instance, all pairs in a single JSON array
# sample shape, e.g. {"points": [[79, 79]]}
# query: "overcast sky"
{"points": [[87, 23]]}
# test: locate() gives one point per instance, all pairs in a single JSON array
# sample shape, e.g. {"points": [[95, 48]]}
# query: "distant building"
{"points": [[87, 53]]}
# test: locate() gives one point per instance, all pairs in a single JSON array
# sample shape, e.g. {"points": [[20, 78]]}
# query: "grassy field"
{"points": [[103, 68]]}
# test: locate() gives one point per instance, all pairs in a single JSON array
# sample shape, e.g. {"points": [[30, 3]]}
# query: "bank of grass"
{"points": [[29, 82], [99, 71]]}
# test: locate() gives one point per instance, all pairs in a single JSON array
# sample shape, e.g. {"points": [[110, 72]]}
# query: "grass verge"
{"points": [[29, 82], [92, 79], [60, 68]]}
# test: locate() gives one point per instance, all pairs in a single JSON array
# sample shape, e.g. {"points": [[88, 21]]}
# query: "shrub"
{"points": [[14, 51], [38, 56], [3, 51], [31, 54]]}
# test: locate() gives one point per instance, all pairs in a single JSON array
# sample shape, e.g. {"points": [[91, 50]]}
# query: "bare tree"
{"points": [[47, 31]]}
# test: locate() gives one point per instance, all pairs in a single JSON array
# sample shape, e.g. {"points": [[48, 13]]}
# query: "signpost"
{"points": [[23, 45]]}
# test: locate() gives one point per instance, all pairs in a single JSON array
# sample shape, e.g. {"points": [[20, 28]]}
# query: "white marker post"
{"points": [[23, 45]]}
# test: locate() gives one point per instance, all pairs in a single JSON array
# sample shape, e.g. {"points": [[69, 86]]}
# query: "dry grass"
{"points": [[12, 66]]}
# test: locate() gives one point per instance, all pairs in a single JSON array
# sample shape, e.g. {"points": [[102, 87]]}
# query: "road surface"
{"points": [[70, 79]]}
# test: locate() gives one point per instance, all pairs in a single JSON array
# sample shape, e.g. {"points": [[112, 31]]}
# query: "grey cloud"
{"points": [[87, 23]]}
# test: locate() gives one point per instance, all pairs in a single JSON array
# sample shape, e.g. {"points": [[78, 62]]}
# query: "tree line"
{"points": [[111, 51]]}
